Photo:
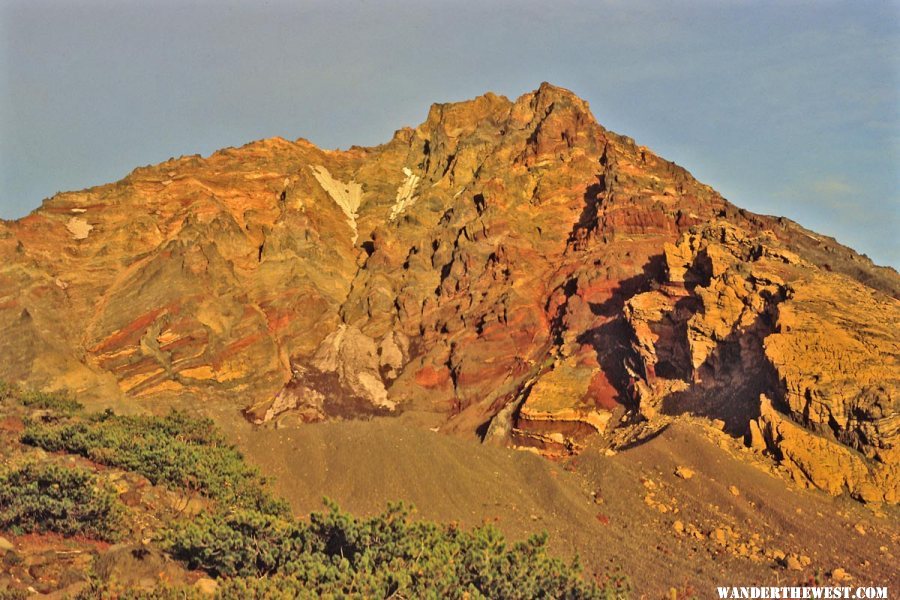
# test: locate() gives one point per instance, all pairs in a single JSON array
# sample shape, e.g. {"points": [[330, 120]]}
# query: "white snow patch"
{"points": [[376, 391], [405, 197], [348, 196], [79, 228], [354, 357]]}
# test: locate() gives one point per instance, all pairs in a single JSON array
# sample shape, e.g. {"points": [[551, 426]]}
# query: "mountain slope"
{"points": [[508, 269]]}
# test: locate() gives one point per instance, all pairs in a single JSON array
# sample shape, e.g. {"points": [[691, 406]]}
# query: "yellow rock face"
{"points": [[742, 313], [817, 461], [836, 350], [560, 409]]}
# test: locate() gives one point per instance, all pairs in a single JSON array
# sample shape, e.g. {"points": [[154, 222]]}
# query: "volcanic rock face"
{"points": [[510, 267], [738, 320]]}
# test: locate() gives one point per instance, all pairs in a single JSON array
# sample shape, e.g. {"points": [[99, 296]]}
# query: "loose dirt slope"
{"points": [[597, 505]]}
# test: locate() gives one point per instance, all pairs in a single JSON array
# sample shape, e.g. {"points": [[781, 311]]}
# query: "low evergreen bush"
{"points": [[248, 538], [60, 402], [65, 500], [338, 555], [178, 451]]}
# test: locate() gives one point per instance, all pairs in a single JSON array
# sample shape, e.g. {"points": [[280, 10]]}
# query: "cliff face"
{"points": [[506, 268], [800, 360]]}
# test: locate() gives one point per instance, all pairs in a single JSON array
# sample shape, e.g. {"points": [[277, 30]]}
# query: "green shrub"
{"points": [[6, 390], [177, 451], [389, 555], [288, 587], [103, 590], [50, 498], [249, 539], [61, 402], [240, 543]]}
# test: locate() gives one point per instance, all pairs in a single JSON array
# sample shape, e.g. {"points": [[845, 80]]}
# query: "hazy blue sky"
{"points": [[786, 107]]}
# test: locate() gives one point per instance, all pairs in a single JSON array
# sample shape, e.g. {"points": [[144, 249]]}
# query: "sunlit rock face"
{"points": [[510, 268]]}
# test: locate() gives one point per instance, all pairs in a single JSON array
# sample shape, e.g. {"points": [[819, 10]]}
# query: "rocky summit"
{"points": [[510, 270]]}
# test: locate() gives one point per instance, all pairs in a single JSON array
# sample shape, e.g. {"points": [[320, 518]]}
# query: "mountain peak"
{"points": [[551, 93]]}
